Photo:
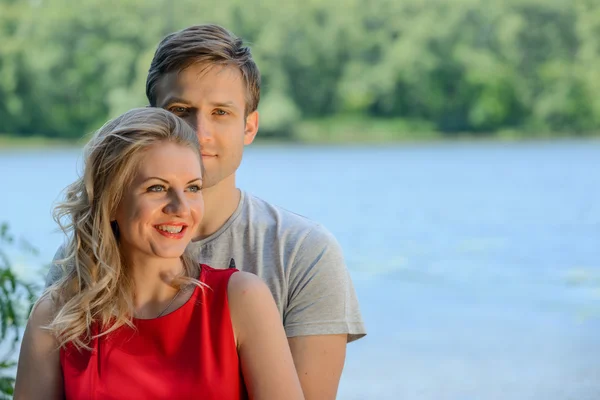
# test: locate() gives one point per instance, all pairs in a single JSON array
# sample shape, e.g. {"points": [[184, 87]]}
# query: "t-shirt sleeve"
{"points": [[56, 271], [321, 296]]}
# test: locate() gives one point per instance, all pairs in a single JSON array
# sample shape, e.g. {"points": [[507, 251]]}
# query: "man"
{"points": [[205, 75]]}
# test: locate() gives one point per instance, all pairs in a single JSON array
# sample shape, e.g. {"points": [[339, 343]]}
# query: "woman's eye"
{"points": [[195, 188], [156, 188]]}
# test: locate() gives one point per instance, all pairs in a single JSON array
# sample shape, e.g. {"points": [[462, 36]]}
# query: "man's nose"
{"points": [[203, 128]]}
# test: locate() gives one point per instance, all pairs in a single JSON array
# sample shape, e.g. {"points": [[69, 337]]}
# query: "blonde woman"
{"points": [[134, 316]]}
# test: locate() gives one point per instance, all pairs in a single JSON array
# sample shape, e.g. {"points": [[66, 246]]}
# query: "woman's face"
{"points": [[160, 211]]}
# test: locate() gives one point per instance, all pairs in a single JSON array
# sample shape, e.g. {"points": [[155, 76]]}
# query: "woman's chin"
{"points": [[169, 253]]}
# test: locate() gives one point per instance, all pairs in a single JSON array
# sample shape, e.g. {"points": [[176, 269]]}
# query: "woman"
{"points": [[134, 315]]}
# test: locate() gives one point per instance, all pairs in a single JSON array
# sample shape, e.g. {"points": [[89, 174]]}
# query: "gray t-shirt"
{"points": [[297, 258]]}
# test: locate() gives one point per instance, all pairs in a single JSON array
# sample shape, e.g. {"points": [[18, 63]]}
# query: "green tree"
{"points": [[463, 66], [16, 299]]}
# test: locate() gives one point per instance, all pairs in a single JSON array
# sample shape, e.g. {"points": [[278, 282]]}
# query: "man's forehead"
{"points": [[168, 85], [211, 79]]}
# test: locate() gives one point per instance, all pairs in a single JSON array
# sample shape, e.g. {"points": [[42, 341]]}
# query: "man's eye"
{"points": [[156, 188], [178, 109], [218, 111]]}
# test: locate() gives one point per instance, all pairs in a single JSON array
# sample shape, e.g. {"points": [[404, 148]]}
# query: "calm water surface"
{"points": [[477, 265]]}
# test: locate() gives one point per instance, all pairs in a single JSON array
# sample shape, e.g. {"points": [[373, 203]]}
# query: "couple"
{"points": [[134, 315]]}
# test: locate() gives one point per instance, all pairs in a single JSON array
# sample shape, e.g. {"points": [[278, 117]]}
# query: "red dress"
{"points": [[187, 354]]}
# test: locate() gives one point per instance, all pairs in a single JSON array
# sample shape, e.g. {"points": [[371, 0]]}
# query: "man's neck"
{"points": [[220, 202]]}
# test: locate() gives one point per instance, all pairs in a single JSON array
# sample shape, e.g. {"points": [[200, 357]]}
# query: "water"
{"points": [[477, 265]]}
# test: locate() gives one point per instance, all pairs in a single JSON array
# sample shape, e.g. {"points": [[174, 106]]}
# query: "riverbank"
{"points": [[33, 142], [364, 130], [340, 131]]}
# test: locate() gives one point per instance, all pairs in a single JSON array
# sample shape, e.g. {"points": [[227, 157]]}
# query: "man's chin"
{"points": [[208, 184], [212, 181]]}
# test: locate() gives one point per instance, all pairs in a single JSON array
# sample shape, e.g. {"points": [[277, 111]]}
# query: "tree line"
{"points": [[456, 66]]}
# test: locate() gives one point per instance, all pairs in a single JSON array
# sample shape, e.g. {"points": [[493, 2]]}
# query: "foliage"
{"points": [[16, 298], [462, 66]]}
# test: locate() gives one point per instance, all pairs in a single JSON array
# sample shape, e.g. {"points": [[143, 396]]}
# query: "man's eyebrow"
{"points": [[173, 99], [225, 104]]}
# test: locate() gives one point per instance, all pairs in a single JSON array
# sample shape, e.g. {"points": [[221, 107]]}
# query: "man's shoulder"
{"points": [[266, 216]]}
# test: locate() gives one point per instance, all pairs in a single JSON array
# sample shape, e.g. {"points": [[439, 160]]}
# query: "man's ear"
{"points": [[251, 127]]}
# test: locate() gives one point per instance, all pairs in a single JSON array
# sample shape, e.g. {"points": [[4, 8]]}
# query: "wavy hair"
{"points": [[96, 289]]}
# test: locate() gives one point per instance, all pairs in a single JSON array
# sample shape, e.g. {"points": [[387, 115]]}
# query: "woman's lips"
{"points": [[172, 235]]}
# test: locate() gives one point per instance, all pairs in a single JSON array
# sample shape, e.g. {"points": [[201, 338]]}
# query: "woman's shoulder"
{"points": [[247, 291], [237, 281], [241, 281], [37, 333], [43, 311], [238, 284]]}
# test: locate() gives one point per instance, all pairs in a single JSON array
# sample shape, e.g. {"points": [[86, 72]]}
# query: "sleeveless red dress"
{"points": [[187, 354]]}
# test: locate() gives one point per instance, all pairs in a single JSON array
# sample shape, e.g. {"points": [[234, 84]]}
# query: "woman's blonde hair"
{"points": [[96, 288]]}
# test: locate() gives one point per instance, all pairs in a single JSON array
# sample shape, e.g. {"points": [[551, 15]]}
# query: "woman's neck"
{"points": [[154, 282]]}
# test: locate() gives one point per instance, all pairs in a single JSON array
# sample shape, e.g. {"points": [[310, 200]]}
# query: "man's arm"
{"points": [[319, 362], [322, 314]]}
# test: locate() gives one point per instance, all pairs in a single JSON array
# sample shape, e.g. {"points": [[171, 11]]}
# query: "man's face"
{"points": [[213, 100]]}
